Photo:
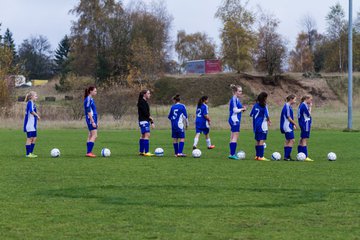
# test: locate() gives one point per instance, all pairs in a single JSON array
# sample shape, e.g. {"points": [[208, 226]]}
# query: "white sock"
{"points": [[196, 140], [208, 142]]}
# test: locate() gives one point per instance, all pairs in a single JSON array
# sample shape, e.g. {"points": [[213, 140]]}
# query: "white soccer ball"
{"points": [[196, 153], [301, 156], [55, 152], [276, 156], [331, 156], [105, 152], [241, 155], [159, 152]]}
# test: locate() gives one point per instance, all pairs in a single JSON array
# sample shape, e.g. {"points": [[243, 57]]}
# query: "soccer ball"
{"points": [[196, 153], [55, 153], [241, 155], [301, 156], [159, 152], [331, 156], [276, 156], [105, 152]]}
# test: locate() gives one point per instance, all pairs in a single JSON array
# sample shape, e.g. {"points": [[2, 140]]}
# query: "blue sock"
{"points": [[141, 145], [299, 149], [181, 147], [90, 146], [146, 143], [28, 149], [176, 148], [305, 150], [233, 148], [32, 147], [261, 150], [287, 152], [257, 150]]}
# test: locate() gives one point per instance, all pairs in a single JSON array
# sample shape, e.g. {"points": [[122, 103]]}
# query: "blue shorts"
{"points": [[203, 130], [305, 134], [289, 135], [235, 127], [178, 134], [31, 134], [144, 127], [89, 125], [260, 136]]}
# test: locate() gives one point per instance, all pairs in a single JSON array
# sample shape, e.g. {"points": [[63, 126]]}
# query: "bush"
{"points": [[72, 82], [115, 101]]}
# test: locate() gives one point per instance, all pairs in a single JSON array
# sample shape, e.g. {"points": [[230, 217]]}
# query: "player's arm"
{"points": [[32, 111], [292, 121], [91, 119], [35, 114], [267, 115]]}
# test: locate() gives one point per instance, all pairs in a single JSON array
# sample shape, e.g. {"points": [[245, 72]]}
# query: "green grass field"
{"points": [[131, 197]]}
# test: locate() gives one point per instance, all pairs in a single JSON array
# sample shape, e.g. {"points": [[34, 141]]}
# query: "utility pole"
{"points": [[350, 68]]}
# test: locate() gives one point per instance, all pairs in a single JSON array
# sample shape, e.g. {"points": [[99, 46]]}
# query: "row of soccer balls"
{"points": [[196, 153]]}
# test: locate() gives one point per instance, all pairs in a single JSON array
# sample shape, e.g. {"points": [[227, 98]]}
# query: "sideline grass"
{"points": [[131, 197]]}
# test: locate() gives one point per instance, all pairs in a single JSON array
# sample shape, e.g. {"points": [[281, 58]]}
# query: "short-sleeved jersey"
{"points": [[234, 111], [286, 113], [177, 116], [304, 117], [30, 121], [89, 106], [200, 120], [260, 115]]}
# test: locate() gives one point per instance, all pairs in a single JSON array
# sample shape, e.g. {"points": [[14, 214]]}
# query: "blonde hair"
{"points": [[29, 96], [234, 87]]}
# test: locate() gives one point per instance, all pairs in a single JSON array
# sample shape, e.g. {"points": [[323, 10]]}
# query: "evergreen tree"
{"points": [[62, 56], [8, 42]]}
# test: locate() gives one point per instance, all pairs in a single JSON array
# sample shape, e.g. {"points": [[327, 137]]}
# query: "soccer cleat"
{"points": [[262, 159], [256, 158], [141, 154], [148, 154], [233, 157], [90, 155], [180, 155], [194, 147], [289, 159], [308, 160], [30, 155], [211, 147]]}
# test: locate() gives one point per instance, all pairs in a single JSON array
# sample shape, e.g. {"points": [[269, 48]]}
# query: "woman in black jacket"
{"points": [[145, 121]]}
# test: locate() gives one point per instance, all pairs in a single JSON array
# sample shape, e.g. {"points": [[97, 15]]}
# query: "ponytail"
{"points": [[202, 100], [290, 97], [88, 90], [261, 99], [176, 98], [29, 96], [234, 87]]}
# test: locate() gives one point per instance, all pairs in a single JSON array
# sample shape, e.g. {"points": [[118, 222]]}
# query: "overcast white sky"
{"points": [[51, 18]]}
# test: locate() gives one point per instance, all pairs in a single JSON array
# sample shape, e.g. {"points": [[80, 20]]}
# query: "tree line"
{"points": [[132, 45]]}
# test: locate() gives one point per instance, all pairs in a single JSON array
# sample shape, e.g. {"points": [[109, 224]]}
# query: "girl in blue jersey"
{"points": [[261, 120], [30, 123], [235, 110], [145, 121], [287, 126], [91, 119], [305, 120], [179, 122], [202, 122]]}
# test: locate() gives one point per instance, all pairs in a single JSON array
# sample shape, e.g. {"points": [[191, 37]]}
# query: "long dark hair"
{"points": [[88, 90], [202, 100], [141, 95], [261, 99]]}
